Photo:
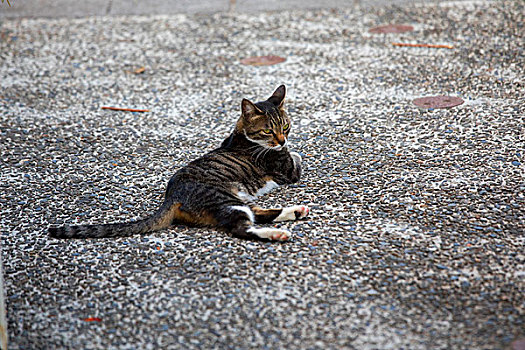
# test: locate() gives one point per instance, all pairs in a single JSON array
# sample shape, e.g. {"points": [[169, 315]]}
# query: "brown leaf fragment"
{"points": [[124, 109], [391, 28]]}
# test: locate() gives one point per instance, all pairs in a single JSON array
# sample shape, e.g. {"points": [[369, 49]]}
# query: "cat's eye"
{"points": [[286, 127], [267, 131]]}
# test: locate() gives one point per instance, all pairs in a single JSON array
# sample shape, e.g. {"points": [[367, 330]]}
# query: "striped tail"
{"points": [[162, 218]]}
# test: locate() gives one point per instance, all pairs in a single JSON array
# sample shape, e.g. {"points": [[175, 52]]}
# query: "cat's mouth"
{"points": [[278, 147]]}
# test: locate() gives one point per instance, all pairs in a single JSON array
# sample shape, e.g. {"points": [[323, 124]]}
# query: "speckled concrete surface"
{"points": [[74, 8], [415, 239]]}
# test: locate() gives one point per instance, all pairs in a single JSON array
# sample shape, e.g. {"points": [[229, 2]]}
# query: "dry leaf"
{"points": [[391, 28]]}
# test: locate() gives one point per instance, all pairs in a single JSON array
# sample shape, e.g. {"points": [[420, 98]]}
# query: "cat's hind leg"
{"points": [[265, 216], [239, 219]]}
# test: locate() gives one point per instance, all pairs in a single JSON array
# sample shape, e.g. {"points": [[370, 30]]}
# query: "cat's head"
{"points": [[266, 122]]}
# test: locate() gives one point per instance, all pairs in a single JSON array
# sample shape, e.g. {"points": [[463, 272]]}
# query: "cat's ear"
{"points": [[278, 96], [249, 109]]}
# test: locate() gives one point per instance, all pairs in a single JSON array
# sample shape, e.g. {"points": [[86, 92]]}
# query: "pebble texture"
{"points": [[416, 232]]}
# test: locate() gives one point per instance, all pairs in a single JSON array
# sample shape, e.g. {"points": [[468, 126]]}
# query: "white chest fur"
{"points": [[270, 185]]}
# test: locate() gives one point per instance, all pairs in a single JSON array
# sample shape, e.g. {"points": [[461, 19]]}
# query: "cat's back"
{"points": [[221, 166]]}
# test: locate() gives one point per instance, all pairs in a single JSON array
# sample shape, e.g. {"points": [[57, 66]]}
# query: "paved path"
{"points": [[74, 8], [415, 238]]}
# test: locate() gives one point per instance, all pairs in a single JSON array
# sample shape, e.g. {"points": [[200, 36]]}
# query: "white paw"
{"points": [[295, 212], [301, 211], [271, 233], [297, 156]]}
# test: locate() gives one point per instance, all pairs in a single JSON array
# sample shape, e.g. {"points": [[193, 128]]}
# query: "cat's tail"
{"points": [[162, 218]]}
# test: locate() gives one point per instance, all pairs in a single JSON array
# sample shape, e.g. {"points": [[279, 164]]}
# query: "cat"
{"points": [[218, 190]]}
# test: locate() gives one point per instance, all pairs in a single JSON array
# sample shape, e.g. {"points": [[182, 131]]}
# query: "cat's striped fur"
{"points": [[218, 189]]}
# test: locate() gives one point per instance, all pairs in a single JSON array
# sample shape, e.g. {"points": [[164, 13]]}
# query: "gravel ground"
{"points": [[415, 239]]}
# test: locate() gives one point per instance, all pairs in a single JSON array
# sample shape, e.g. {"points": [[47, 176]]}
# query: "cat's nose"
{"points": [[281, 139]]}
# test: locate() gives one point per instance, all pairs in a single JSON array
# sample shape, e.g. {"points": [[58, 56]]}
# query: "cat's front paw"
{"points": [[296, 157], [296, 172]]}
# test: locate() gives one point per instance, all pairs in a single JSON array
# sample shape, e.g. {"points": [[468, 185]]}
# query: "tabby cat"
{"points": [[218, 190]]}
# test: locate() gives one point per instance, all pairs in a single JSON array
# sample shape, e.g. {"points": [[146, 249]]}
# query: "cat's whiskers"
{"points": [[259, 153], [249, 149], [265, 152], [256, 149]]}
